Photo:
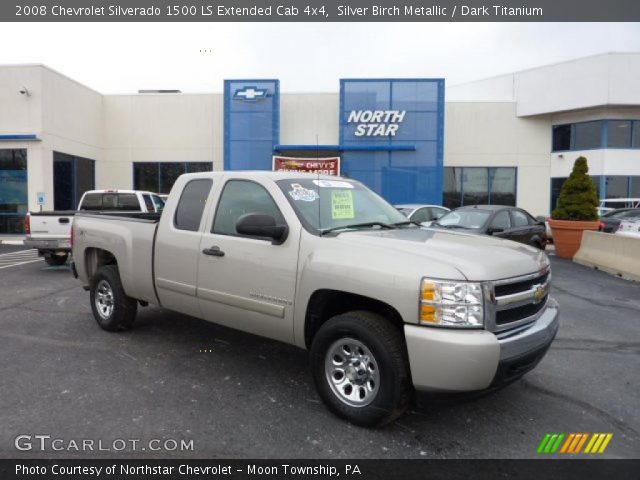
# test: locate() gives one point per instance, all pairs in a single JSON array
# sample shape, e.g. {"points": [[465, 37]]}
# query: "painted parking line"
{"points": [[21, 257]]}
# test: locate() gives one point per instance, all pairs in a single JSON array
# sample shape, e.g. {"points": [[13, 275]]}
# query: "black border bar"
{"points": [[566, 469], [320, 11]]}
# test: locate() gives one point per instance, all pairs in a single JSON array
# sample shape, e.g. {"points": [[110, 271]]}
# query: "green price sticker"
{"points": [[342, 204]]}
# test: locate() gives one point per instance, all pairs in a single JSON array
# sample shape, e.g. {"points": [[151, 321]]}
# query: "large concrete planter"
{"points": [[567, 235]]}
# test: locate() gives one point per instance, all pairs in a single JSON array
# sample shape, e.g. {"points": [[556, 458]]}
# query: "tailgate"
{"points": [[51, 225]]}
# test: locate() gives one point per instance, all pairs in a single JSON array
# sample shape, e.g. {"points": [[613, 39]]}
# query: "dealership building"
{"points": [[511, 139]]}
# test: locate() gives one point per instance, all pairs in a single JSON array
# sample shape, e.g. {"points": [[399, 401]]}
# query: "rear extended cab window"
{"points": [[191, 205]]}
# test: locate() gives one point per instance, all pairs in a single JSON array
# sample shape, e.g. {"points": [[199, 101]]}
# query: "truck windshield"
{"points": [[335, 205]]}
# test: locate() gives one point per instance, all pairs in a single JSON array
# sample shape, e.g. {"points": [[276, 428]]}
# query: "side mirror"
{"points": [[541, 220], [260, 225], [494, 230]]}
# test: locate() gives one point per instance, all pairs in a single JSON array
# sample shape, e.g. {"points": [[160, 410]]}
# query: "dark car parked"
{"points": [[505, 222], [610, 221]]}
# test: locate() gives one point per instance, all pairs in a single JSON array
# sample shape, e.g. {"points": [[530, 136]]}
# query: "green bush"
{"points": [[578, 198]]}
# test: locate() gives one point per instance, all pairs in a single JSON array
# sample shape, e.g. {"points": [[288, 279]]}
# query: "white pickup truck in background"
{"points": [[50, 232]]}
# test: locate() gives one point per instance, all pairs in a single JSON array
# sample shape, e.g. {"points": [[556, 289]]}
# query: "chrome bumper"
{"points": [[48, 244], [449, 360]]}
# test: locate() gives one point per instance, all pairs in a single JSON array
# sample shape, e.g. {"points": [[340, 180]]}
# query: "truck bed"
{"points": [[129, 237]]}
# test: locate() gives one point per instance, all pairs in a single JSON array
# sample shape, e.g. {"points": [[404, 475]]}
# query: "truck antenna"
{"points": [[318, 183]]}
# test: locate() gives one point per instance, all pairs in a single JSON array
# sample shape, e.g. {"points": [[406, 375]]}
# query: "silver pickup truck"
{"points": [[386, 307]]}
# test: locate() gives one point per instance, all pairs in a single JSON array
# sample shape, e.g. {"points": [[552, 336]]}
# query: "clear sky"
{"points": [[196, 57]]}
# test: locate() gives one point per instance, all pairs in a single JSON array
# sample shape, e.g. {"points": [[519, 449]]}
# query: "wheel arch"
{"points": [[95, 258], [326, 303]]}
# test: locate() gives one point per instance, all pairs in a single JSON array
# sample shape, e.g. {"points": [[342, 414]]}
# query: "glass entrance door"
{"points": [[13, 190]]}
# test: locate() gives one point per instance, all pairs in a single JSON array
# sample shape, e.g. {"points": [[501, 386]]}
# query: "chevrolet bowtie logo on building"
{"points": [[573, 443], [250, 94]]}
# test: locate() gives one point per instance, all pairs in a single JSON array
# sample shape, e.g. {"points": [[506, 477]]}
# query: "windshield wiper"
{"points": [[359, 225]]}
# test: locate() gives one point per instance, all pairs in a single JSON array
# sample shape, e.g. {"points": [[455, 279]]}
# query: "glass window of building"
{"points": [[588, 135], [72, 176], [13, 190], [617, 186], [479, 185], [634, 187], [146, 176], [619, 133], [636, 134], [159, 177], [452, 191], [503, 186], [475, 186], [561, 137]]}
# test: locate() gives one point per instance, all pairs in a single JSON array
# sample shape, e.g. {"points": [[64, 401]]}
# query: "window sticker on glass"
{"points": [[301, 193], [333, 184], [342, 205]]}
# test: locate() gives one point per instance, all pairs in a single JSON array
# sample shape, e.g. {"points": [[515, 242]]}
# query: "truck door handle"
{"points": [[213, 251]]}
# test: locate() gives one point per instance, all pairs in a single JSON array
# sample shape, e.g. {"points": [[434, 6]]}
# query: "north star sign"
{"points": [[376, 123]]}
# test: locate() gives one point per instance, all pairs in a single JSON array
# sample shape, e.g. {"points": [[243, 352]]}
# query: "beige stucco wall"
{"points": [[159, 128], [481, 134]]}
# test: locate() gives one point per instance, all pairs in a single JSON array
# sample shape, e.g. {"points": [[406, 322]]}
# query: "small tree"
{"points": [[578, 198]]}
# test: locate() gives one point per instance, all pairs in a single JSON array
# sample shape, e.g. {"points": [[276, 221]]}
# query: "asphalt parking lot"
{"points": [[237, 395]]}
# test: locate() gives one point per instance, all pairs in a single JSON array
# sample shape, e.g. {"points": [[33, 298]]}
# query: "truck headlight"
{"points": [[451, 304]]}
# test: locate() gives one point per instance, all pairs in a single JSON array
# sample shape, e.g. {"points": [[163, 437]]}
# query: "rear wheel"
{"points": [[55, 260], [112, 308], [360, 368]]}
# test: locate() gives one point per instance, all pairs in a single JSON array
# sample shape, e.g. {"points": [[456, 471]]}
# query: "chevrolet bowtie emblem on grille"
{"points": [[250, 94], [539, 293]]}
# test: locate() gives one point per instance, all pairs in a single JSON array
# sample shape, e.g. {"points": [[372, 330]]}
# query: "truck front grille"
{"points": [[517, 301]]}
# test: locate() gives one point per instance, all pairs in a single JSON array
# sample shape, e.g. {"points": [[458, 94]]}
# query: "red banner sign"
{"points": [[323, 166]]}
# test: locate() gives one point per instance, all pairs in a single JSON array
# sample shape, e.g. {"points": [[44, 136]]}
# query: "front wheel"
{"points": [[112, 308], [360, 368]]}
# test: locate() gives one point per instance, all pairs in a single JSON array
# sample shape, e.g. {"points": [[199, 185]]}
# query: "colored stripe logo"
{"points": [[573, 443]]}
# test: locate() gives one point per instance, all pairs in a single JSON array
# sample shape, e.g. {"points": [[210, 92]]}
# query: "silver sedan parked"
{"points": [[424, 214]]}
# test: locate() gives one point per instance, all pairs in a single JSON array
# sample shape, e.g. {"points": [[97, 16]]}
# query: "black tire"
{"points": [[386, 343], [55, 260], [123, 312]]}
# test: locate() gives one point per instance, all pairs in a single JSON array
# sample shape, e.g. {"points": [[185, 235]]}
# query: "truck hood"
{"points": [[477, 257]]}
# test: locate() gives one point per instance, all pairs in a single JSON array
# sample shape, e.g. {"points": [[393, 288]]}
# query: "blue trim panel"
{"points": [[347, 148], [9, 137], [267, 105], [385, 164]]}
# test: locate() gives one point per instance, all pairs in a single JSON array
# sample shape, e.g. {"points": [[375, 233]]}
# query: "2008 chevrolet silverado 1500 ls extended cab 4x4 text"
{"points": [[384, 306]]}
